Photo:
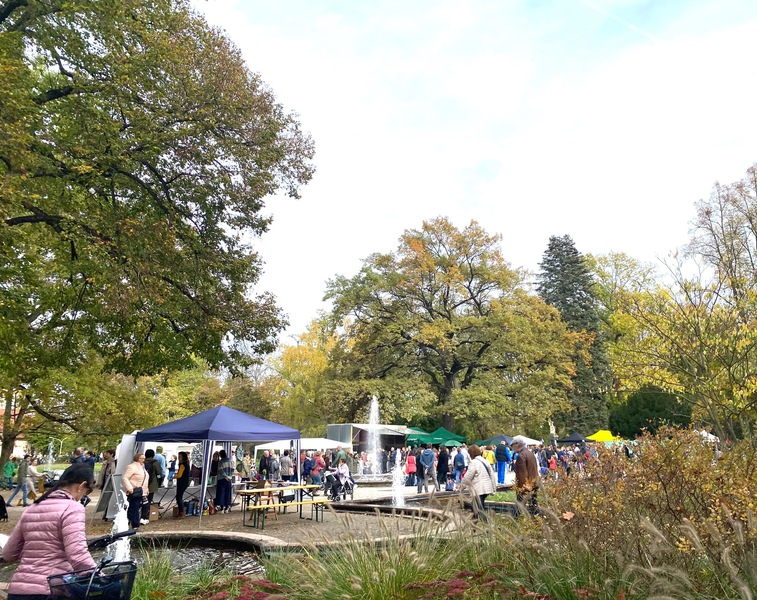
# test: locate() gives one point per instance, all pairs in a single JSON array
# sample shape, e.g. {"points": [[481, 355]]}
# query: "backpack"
{"points": [[274, 465], [307, 466], [459, 460]]}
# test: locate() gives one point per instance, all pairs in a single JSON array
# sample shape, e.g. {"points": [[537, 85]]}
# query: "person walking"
{"points": [[427, 460], [161, 458], [32, 479], [22, 484], [442, 467], [223, 485], [9, 472], [108, 469], [502, 455], [50, 537], [526, 478], [152, 466], [481, 480], [182, 482], [172, 466], [135, 481]]}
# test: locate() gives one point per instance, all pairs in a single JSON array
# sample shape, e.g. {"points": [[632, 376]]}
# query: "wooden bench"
{"points": [[317, 506]]}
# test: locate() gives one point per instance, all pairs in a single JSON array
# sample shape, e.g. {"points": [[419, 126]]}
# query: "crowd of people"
{"points": [[480, 469]]}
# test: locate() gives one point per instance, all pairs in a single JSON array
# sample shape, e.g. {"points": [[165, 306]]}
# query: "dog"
{"points": [[3, 510]]}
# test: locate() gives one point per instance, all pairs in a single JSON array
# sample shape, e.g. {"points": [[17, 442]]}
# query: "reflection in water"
{"points": [[188, 558], [184, 558]]}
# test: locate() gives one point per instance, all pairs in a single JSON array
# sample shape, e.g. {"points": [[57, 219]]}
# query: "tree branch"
{"points": [[8, 7], [55, 94]]}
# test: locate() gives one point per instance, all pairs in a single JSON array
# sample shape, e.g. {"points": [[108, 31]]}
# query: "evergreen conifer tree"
{"points": [[565, 282]]}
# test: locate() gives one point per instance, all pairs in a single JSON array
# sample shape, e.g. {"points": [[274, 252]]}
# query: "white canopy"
{"points": [[526, 440], [305, 444]]}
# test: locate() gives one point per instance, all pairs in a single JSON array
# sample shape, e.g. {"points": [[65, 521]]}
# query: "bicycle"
{"points": [[108, 581]]}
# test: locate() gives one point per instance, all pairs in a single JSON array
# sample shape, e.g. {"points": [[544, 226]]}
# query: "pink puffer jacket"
{"points": [[48, 539]]}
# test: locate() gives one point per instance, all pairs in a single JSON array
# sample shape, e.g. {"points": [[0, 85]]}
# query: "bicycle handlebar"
{"points": [[106, 540]]}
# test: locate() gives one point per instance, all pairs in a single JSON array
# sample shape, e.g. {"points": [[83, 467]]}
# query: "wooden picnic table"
{"points": [[252, 500]]}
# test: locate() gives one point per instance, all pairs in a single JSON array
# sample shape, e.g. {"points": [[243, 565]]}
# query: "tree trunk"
{"points": [[10, 429], [448, 408]]}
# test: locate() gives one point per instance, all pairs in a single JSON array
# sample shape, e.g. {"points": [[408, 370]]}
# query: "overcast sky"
{"points": [[604, 120]]}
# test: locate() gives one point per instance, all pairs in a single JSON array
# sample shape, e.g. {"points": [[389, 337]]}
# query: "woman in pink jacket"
{"points": [[49, 538]]}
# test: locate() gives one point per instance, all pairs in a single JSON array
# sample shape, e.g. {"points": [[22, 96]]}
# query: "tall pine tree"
{"points": [[565, 282]]}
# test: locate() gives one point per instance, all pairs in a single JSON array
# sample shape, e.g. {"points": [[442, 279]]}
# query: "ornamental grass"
{"points": [[677, 522]]}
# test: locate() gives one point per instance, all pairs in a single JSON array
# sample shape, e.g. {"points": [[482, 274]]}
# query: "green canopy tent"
{"points": [[442, 435], [418, 436], [494, 440], [439, 437]]}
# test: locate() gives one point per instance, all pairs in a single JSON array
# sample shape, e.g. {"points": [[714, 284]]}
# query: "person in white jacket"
{"points": [[481, 479]]}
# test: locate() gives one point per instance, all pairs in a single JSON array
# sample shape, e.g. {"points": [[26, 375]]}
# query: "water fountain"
{"points": [[374, 439], [121, 549], [50, 448], [398, 480]]}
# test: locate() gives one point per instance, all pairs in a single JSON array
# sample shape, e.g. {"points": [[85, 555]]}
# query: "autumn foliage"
{"points": [[679, 500]]}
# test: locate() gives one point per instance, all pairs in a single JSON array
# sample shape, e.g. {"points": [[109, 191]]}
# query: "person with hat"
{"points": [[526, 478], [49, 538]]}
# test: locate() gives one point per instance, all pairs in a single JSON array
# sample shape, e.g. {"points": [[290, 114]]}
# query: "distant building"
{"points": [[360, 434]]}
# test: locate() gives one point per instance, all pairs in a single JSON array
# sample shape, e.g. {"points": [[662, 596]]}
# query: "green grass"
{"points": [[505, 558], [156, 578], [508, 496]]}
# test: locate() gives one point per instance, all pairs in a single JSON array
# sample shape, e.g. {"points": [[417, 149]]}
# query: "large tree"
{"points": [[648, 409], [565, 282], [447, 311], [695, 334], [136, 151]]}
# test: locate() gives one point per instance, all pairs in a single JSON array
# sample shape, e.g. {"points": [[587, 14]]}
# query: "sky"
{"points": [[605, 120]]}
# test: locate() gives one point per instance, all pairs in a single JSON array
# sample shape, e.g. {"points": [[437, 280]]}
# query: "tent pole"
{"points": [[298, 470], [207, 456]]}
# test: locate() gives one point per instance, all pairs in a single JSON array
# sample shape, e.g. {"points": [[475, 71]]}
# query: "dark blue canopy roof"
{"points": [[219, 424]]}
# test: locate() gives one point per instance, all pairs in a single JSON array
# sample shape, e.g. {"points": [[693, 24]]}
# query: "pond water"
{"points": [[185, 557]]}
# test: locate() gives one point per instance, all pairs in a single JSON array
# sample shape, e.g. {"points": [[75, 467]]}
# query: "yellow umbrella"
{"points": [[604, 435]]}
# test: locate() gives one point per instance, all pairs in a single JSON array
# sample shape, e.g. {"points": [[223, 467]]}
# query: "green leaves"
{"points": [[137, 155], [446, 311], [566, 283]]}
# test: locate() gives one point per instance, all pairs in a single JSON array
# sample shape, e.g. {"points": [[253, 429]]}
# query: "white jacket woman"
{"points": [[481, 479]]}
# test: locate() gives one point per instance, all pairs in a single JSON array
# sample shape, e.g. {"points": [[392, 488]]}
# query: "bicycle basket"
{"points": [[111, 582]]}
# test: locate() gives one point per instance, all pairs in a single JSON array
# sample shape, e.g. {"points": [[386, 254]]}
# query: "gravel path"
{"points": [[281, 529]]}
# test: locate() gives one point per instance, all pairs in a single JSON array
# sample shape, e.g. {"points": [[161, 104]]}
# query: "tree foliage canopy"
{"points": [[565, 282], [135, 155], [694, 334], [446, 310], [648, 409], [136, 152]]}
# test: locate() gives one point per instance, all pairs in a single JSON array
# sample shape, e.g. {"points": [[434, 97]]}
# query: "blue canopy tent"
{"points": [[219, 424]]}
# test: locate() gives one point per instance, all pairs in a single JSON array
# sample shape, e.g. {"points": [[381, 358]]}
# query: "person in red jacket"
{"points": [[411, 468], [49, 538]]}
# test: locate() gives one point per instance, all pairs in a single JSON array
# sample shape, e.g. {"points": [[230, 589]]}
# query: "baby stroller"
{"points": [[333, 488]]}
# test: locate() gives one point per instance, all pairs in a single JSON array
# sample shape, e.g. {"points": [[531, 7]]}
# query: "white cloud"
{"points": [[487, 111]]}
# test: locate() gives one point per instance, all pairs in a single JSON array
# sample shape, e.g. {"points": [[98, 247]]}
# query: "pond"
{"points": [[185, 557]]}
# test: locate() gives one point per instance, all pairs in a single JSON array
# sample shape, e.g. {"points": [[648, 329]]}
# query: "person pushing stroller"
{"points": [[338, 479]]}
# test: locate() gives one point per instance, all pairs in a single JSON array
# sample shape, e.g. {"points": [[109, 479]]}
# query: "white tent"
{"points": [[526, 440], [305, 444]]}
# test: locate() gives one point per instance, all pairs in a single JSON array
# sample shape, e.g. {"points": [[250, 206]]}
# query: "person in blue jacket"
{"points": [[502, 454]]}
